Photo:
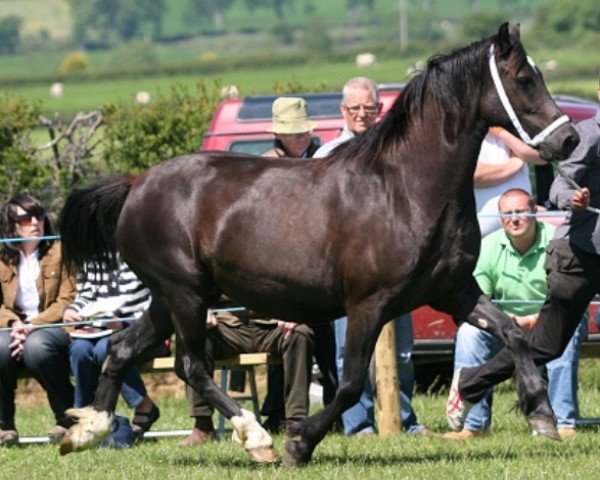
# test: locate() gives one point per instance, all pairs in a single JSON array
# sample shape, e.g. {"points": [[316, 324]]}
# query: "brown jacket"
{"points": [[56, 289]]}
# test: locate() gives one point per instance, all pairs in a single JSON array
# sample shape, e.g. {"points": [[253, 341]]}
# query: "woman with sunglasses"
{"points": [[35, 290]]}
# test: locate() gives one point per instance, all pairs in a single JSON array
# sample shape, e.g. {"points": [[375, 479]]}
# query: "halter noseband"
{"points": [[540, 137]]}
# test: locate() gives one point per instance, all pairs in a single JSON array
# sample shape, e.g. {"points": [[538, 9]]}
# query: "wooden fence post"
{"points": [[386, 378]]}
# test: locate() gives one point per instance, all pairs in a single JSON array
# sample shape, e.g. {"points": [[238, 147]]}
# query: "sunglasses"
{"points": [[26, 220]]}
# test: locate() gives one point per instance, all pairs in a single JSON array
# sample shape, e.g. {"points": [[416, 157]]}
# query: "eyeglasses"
{"points": [[508, 214], [26, 220], [369, 109]]}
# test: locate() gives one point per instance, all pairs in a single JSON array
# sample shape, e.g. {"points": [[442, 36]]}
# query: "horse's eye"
{"points": [[525, 82]]}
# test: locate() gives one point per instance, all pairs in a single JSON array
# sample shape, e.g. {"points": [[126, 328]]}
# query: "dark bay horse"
{"points": [[383, 225]]}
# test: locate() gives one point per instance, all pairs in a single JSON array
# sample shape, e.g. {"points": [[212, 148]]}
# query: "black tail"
{"points": [[88, 223]]}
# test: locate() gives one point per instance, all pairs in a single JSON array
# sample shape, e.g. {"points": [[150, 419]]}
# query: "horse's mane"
{"points": [[447, 80]]}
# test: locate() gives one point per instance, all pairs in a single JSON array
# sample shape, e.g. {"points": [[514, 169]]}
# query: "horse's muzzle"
{"points": [[560, 144]]}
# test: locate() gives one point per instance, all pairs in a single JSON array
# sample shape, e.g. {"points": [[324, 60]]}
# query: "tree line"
{"points": [[108, 22]]}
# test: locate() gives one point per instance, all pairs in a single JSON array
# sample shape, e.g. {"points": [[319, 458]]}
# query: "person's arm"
{"points": [[7, 314], [84, 296], [485, 280], [562, 194], [492, 174], [518, 147], [484, 270], [7, 317], [66, 294]]}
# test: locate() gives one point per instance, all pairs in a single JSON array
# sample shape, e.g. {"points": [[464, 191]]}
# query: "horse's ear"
{"points": [[515, 31], [504, 43]]}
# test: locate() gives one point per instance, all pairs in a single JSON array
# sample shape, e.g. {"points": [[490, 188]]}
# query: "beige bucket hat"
{"points": [[290, 115]]}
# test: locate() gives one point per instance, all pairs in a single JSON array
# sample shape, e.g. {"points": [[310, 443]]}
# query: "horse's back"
{"points": [[257, 226]]}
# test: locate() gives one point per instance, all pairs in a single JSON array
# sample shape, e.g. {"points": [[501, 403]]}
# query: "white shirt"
{"points": [[28, 298], [326, 148], [494, 152]]}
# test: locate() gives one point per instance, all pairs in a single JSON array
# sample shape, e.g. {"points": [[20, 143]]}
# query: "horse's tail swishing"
{"points": [[88, 222]]}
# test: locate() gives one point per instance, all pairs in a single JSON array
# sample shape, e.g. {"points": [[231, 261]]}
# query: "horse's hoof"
{"points": [[263, 454], [66, 446], [91, 428], [544, 427], [293, 457]]}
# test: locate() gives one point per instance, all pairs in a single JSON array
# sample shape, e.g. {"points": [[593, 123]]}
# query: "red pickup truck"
{"points": [[240, 125]]}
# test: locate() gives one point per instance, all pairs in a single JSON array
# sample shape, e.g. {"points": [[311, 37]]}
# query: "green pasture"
{"points": [[510, 452], [84, 96], [262, 79]]}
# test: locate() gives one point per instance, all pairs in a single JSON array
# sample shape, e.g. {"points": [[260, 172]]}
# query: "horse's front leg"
{"points": [[125, 347], [476, 308], [364, 326]]}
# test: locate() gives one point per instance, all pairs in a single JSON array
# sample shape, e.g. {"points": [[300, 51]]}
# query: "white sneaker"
{"points": [[457, 408]]}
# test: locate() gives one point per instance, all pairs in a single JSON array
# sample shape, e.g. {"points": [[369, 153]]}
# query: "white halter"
{"points": [[540, 137]]}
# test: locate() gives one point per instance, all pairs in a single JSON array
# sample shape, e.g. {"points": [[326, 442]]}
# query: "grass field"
{"points": [[81, 96], [510, 452]]}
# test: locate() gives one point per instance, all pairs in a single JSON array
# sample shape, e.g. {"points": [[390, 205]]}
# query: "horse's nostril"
{"points": [[569, 145]]}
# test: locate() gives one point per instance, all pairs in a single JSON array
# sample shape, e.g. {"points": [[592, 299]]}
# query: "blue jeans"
{"points": [[87, 357], [474, 347], [45, 354], [361, 417]]}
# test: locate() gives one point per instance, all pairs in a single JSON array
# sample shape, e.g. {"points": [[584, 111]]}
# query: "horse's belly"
{"points": [[281, 296]]}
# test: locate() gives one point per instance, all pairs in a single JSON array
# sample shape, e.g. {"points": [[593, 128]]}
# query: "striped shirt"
{"points": [[118, 293]]}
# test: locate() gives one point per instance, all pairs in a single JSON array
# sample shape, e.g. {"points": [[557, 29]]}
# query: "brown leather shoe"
{"points": [[9, 437], [466, 434], [566, 432], [197, 437]]}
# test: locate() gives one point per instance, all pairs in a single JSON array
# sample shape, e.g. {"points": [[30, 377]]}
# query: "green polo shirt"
{"points": [[504, 274]]}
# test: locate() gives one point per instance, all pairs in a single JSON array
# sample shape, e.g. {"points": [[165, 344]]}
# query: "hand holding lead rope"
{"points": [[581, 198]]}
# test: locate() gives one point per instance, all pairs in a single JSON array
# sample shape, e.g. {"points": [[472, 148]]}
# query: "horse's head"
{"points": [[518, 99]]}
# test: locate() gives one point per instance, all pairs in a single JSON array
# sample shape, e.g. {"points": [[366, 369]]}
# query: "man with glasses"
{"points": [[510, 270], [360, 106]]}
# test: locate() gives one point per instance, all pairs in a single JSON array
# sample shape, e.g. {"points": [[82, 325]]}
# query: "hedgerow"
{"points": [[119, 138]]}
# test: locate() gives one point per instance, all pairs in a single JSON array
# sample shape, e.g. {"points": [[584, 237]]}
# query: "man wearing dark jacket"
{"points": [[573, 268]]}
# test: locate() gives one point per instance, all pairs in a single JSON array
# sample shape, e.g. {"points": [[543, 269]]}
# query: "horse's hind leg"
{"points": [[189, 311], [476, 308], [363, 330], [124, 348]]}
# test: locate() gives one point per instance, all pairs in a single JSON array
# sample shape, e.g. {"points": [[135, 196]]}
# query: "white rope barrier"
{"points": [[547, 213], [101, 321], [28, 239], [552, 213]]}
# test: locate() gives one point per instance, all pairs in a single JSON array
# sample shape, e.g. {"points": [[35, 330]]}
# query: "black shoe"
{"points": [[274, 425]]}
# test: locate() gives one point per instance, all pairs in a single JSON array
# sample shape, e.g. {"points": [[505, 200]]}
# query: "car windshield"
{"points": [[251, 147], [259, 146], [320, 105]]}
